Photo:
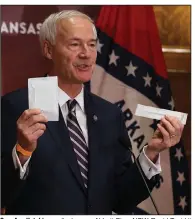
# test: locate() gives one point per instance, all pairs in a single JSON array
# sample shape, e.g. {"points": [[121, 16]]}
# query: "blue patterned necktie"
{"points": [[78, 141]]}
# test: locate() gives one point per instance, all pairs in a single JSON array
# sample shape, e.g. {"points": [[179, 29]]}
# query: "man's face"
{"points": [[74, 53]]}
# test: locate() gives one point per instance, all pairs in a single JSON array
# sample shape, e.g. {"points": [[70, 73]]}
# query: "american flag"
{"points": [[130, 70]]}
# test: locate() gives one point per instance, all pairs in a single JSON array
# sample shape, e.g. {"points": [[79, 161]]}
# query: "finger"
{"points": [[157, 134], [28, 113], [37, 134], [168, 126], [164, 132], [38, 126], [175, 123], [36, 119]]}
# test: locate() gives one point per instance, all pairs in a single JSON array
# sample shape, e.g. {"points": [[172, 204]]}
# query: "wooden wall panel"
{"points": [[174, 25]]}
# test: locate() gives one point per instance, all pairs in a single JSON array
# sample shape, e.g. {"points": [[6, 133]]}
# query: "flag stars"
{"points": [[178, 154], [131, 69], [147, 80], [171, 103], [113, 58], [181, 177], [158, 90], [99, 46], [182, 202]]}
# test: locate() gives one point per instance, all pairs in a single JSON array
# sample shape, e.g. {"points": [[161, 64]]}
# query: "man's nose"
{"points": [[85, 51]]}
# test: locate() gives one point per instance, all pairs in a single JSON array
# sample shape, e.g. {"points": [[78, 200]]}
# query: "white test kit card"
{"points": [[157, 113], [43, 94]]}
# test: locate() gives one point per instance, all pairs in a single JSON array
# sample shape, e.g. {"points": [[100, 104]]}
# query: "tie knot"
{"points": [[71, 105]]}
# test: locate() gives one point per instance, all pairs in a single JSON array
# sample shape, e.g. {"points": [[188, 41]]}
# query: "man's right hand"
{"points": [[29, 128]]}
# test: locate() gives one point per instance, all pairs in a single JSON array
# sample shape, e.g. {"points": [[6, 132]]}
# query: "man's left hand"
{"points": [[168, 134]]}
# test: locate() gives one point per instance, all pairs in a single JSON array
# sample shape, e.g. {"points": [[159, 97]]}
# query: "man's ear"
{"points": [[47, 49]]}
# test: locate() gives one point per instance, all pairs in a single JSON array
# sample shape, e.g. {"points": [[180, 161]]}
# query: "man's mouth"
{"points": [[83, 67]]}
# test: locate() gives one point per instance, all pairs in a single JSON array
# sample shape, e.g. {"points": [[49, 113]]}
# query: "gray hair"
{"points": [[48, 28]]}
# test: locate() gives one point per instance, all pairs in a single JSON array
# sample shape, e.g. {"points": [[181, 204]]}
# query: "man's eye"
{"points": [[93, 45], [74, 44]]}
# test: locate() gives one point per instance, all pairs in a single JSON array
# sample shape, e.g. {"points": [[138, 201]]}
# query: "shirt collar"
{"points": [[63, 98]]}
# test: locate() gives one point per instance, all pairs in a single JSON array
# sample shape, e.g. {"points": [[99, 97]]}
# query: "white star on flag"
{"points": [[181, 177], [178, 153], [113, 58], [158, 90], [99, 46], [147, 79], [131, 69], [182, 202], [171, 103]]}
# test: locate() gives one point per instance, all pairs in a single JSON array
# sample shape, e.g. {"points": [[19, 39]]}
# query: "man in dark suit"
{"points": [[80, 164]]}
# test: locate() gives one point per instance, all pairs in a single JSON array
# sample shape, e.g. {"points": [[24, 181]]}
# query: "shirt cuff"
{"points": [[149, 168], [17, 163]]}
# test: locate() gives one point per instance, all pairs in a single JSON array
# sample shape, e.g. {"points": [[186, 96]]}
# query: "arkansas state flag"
{"points": [[130, 70]]}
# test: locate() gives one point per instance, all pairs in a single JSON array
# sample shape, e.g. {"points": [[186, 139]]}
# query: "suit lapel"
{"points": [[93, 119], [59, 132]]}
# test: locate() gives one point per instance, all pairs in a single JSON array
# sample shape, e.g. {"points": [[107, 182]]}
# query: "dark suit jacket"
{"points": [[53, 184]]}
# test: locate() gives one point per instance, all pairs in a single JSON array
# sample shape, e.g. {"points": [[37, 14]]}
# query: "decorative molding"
{"points": [[176, 50], [169, 70]]}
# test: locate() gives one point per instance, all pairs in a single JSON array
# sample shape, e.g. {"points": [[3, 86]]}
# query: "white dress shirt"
{"points": [[149, 168]]}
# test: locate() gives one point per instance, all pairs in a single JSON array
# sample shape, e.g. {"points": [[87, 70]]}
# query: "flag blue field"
{"points": [[130, 70]]}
